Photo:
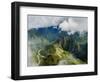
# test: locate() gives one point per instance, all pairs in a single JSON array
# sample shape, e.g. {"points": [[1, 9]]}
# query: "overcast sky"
{"points": [[66, 23]]}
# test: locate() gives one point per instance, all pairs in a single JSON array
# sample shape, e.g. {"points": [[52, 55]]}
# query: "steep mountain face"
{"points": [[52, 46], [50, 33]]}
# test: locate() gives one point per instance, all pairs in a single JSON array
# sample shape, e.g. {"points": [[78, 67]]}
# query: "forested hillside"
{"points": [[53, 46]]}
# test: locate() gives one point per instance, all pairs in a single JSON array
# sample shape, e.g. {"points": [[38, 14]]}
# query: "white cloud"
{"points": [[43, 21], [65, 23], [74, 24]]}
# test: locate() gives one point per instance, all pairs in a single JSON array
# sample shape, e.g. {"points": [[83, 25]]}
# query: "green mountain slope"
{"points": [[54, 55]]}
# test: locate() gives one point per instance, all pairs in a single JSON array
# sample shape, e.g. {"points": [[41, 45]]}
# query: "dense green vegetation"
{"points": [[52, 46]]}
